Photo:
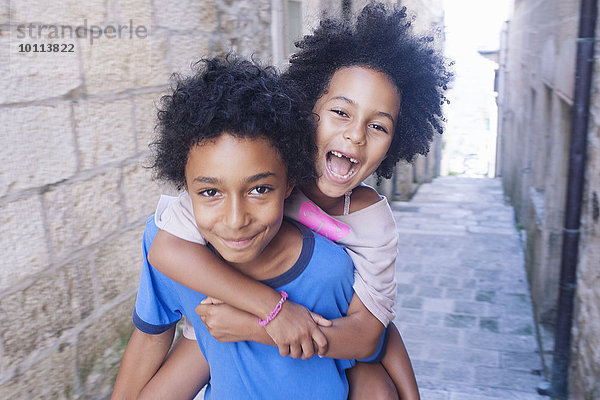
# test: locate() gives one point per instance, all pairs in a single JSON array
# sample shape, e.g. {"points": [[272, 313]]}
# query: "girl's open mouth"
{"points": [[341, 166]]}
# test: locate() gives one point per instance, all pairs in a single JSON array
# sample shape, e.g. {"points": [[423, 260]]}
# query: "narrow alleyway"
{"points": [[463, 304]]}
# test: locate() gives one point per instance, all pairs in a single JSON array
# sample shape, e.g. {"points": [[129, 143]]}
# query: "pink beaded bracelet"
{"points": [[273, 314]]}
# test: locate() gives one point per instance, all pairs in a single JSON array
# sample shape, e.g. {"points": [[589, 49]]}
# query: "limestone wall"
{"points": [[585, 355], [75, 123], [535, 100], [539, 74]]}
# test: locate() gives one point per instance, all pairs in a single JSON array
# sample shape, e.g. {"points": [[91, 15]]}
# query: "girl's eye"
{"points": [[379, 128], [260, 190], [340, 113], [209, 192]]}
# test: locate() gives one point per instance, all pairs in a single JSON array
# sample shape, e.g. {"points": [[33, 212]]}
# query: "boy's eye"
{"points": [[209, 192], [379, 128], [260, 190]]}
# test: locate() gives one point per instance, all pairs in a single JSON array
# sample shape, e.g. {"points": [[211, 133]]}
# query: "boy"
{"points": [[235, 136]]}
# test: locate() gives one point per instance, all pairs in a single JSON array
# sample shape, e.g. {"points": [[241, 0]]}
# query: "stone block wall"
{"points": [[75, 192], [535, 128], [585, 354], [537, 76]]}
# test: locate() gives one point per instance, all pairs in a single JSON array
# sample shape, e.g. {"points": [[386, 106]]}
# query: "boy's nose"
{"points": [[236, 215]]}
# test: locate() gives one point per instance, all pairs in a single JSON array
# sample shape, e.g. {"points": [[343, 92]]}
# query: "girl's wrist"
{"points": [[266, 302], [275, 311]]}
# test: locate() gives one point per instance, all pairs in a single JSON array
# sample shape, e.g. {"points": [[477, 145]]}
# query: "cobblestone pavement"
{"points": [[463, 305]]}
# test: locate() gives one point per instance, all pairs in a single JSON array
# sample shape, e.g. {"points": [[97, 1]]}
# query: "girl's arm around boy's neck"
{"points": [[354, 336], [198, 268]]}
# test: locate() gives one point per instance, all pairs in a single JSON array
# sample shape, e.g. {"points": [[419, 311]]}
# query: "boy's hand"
{"points": [[295, 330]]}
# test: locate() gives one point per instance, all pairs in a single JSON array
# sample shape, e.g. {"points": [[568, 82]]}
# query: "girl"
{"points": [[377, 91]]}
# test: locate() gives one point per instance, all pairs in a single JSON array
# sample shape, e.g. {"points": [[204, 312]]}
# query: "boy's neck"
{"points": [[278, 257], [331, 205]]}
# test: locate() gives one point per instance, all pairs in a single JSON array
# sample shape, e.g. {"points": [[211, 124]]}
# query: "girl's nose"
{"points": [[355, 134]]}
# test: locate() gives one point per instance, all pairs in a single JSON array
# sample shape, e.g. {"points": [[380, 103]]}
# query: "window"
{"points": [[286, 28], [294, 24]]}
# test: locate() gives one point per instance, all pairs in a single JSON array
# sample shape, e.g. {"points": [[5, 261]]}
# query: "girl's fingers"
{"points": [[211, 300], [296, 351], [200, 310], [320, 320], [308, 350], [284, 351], [320, 342]]}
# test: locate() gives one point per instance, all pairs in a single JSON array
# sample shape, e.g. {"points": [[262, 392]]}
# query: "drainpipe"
{"points": [[558, 387]]}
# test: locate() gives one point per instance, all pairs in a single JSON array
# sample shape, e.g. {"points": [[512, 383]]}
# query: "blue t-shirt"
{"points": [[321, 279]]}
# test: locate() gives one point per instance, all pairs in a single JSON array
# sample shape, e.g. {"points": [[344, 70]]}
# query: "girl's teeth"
{"points": [[340, 155]]}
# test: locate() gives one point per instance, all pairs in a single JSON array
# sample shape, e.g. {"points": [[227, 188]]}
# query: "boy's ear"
{"points": [[289, 189]]}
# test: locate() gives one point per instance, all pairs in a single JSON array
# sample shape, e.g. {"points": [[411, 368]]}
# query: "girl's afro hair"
{"points": [[380, 39]]}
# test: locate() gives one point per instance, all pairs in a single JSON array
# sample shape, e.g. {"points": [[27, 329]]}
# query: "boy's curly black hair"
{"points": [[239, 97], [380, 39]]}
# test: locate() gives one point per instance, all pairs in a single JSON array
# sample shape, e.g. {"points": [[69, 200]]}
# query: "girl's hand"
{"points": [[295, 330], [211, 300], [226, 323]]}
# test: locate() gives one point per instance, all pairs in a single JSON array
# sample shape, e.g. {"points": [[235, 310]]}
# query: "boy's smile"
{"points": [[238, 187], [357, 118]]}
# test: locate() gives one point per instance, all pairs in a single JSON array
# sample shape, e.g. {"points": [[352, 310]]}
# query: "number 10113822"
{"points": [[46, 48]]}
